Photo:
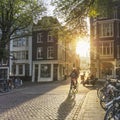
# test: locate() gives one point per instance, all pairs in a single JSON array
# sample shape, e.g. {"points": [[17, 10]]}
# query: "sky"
{"points": [[50, 8]]}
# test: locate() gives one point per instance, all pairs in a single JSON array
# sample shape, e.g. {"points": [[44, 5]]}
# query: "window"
{"points": [[50, 37], [20, 42], [20, 67], [21, 55], [39, 37], [115, 12], [45, 70], [39, 52], [50, 52], [105, 29], [106, 48]]}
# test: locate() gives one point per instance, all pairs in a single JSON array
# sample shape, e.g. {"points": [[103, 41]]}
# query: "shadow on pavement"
{"points": [[28, 92], [65, 108]]}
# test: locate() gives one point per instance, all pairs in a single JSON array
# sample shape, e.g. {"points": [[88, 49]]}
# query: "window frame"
{"points": [[106, 29], [106, 50], [50, 52], [50, 37], [39, 37], [41, 53]]}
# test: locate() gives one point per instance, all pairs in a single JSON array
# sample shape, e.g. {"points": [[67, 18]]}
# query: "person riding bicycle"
{"points": [[74, 76]]}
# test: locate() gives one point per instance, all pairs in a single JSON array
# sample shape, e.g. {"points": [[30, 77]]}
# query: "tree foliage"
{"points": [[74, 12], [16, 15]]}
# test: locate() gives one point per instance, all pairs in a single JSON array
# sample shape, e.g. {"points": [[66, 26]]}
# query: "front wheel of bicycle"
{"points": [[112, 114]]}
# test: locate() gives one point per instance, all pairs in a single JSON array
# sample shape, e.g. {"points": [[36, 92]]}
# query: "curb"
{"points": [[91, 109]]}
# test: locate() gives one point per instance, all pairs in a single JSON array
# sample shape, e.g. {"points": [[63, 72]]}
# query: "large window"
{"points": [[45, 70], [106, 48], [50, 52], [20, 42], [39, 52], [106, 29], [21, 55], [39, 37]]}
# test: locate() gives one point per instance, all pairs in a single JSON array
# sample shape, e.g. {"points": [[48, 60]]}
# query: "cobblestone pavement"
{"points": [[40, 102], [48, 101]]}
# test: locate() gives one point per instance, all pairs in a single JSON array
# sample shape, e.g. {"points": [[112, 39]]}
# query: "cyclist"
{"points": [[74, 76]]}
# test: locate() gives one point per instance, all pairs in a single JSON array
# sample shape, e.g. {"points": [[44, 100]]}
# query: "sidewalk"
{"points": [[91, 109]]}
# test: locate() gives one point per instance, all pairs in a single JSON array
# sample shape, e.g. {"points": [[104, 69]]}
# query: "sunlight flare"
{"points": [[83, 48]]}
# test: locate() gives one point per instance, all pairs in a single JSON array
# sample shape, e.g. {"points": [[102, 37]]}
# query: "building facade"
{"points": [[51, 57], [21, 56], [105, 44], [4, 63]]}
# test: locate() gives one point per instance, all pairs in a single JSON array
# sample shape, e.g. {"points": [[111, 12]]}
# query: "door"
{"points": [[36, 72]]}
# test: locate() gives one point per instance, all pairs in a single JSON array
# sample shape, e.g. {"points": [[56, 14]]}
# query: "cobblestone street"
{"points": [[42, 102]]}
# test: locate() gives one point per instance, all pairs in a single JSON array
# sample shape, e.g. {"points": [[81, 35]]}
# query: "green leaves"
{"points": [[74, 12], [16, 15]]}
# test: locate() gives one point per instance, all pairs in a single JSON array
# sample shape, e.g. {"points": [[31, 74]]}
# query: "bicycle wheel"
{"points": [[72, 91], [112, 114]]}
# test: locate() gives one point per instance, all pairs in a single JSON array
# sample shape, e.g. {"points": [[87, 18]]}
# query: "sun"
{"points": [[82, 48]]}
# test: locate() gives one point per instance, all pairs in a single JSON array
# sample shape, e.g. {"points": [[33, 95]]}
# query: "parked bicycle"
{"points": [[108, 91], [113, 109]]}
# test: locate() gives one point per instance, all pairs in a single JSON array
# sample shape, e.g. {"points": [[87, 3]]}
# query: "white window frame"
{"points": [[106, 29], [104, 49], [39, 38], [49, 37], [50, 52], [21, 55], [21, 42], [39, 53]]}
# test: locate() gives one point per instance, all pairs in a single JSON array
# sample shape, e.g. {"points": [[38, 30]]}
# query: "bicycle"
{"points": [[73, 89], [113, 109]]}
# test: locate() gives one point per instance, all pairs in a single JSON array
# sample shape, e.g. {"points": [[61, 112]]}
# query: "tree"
{"points": [[16, 15], [74, 12]]}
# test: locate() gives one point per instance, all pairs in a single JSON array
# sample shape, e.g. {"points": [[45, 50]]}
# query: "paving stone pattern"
{"points": [[37, 103], [50, 102]]}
